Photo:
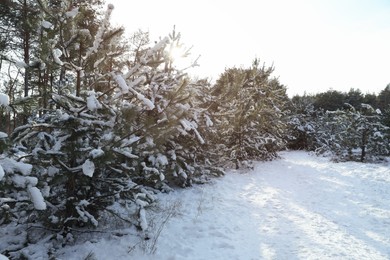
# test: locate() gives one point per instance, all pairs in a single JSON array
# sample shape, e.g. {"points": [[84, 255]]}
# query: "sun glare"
{"points": [[178, 55]]}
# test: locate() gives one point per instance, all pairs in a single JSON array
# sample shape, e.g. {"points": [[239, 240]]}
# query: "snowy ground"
{"points": [[298, 207]]}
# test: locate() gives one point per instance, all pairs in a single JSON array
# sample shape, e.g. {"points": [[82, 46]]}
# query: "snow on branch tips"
{"points": [[129, 88], [188, 126]]}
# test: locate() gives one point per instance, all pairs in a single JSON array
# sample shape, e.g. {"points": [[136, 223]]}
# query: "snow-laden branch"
{"points": [[188, 126], [99, 35], [129, 88]]}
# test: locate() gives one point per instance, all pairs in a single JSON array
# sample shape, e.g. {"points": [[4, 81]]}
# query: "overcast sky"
{"points": [[314, 45]]}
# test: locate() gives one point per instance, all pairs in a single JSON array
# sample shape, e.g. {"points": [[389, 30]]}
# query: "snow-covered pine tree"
{"points": [[302, 123], [249, 112], [63, 139], [167, 133], [383, 101], [373, 141], [109, 135], [352, 134]]}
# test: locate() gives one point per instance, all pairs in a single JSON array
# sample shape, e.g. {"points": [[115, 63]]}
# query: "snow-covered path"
{"points": [[298, 207]]}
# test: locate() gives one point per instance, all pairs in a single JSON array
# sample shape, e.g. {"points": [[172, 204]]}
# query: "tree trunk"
{"points": [[363, 146], [26, 47]]}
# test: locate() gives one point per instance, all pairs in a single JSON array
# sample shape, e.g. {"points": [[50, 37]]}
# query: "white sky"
{"points": [[314, 45]]}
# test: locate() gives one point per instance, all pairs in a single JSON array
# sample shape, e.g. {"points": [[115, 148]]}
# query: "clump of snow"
{"points": [[154, 170], [47, 25], [51, 171], [4, 100], [159, 160], [84, 214], [146, 101], [37, 198], [24, 181], [131, 140], [95, 153], [3, 135], [186, 124], [142, 219], [11, 166], [88, 168], [3, 257], [21, 64], [92, 103], [72, 13], [56, 56], [2, 173], [126, 151], [96, 64], [122, 83], [209, 122]]}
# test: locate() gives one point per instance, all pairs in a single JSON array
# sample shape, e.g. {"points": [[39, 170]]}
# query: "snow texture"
{"points": [[4, 100], [3, 257], [37, 198], [297, 207], [88, 168]]}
